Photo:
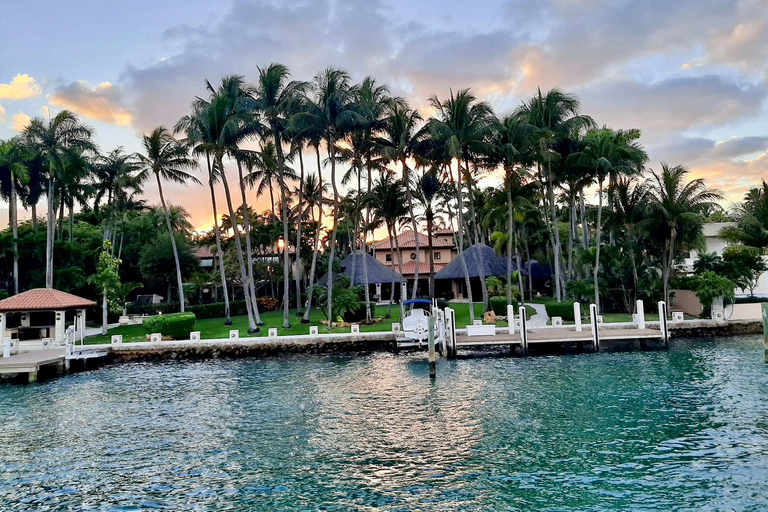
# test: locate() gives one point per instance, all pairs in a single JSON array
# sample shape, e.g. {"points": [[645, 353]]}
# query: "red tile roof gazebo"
{"points": [[43, 300]]}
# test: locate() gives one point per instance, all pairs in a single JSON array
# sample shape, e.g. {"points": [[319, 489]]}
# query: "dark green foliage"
{"points": [[358, 315], [711, 286], [442, 303], [157, 263], [499, 305], [561, 309], [153, 309], [176, 325]]}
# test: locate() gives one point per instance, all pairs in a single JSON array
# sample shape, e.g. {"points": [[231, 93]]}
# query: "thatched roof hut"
{"points": [[377, 271], [493, 264]]}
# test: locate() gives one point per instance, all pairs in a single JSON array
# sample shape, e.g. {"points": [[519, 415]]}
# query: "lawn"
{"points": [[212, 328]]}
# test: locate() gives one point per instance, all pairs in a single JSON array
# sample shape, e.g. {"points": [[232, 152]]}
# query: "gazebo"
{"points": [[493, 265], [378, 273], [38, 318]]}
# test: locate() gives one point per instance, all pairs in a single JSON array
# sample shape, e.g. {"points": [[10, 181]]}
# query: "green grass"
{"points": [[212, 328]]}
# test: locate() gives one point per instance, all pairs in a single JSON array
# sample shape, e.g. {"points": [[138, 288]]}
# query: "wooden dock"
{"points": [[31, 362], [556, 335]]}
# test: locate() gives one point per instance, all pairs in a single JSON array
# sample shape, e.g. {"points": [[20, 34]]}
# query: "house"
{"points": [[205, 255], [714, 244], [492, 265], [443, 252]]}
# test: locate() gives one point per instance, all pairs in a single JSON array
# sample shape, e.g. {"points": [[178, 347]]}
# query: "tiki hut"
{"points": [[493, 265]]}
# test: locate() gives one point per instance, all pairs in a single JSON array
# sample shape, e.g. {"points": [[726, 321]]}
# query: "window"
{"points": [[388, 258], [413, 256], [436, 255]]}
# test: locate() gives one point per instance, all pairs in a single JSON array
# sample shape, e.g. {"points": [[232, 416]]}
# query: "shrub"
{"points": [[267, 303], [442, 303], [561, 309], [176, 325], [499, 305], [216, 309], [358, 315]]}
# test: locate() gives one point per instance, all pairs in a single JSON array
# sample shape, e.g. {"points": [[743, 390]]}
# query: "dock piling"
{"points": [[765, 329], [431, 342], [595, 326], [640, 315], [6, 347], [663, 322], [511, 318], [577, 316], [524, 330]]}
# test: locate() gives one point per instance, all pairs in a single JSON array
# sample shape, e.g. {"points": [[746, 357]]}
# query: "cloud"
{"points": [[21, 87], [20, 121], [2, 114], [675, 104], [102, 102]]}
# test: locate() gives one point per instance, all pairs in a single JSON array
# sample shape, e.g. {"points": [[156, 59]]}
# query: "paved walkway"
{"points": [[540, 318]]}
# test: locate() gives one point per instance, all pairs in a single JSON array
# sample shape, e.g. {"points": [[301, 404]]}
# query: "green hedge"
{"points": [[561, 309], [216, 310], [176, 325], [499, 305]]}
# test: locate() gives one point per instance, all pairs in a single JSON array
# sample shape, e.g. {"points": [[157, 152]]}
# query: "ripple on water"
{"points": [[679, 430]]}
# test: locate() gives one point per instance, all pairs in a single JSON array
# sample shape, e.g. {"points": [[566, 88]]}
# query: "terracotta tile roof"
{"points": [[409, 268], [204, 252], [407, 241], [46, 299]]}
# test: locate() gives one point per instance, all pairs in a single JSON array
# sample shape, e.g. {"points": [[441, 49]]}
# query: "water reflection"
{"points": [[684, 429]]}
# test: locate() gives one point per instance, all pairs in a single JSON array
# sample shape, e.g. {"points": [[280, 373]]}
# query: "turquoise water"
{"points": [[685, 429]]}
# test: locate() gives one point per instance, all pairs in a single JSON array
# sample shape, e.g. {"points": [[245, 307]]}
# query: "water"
{"points": [[681, 430]]}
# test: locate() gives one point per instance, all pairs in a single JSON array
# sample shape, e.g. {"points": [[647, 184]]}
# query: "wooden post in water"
{"points": [[524, 330], [431, 342], [765, 328], [663, 322]]}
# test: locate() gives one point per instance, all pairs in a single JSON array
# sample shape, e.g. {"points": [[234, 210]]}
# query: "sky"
{"points": [[691, 74]]}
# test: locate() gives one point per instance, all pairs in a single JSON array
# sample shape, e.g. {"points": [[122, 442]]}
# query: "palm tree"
{"points": [[554, 116], [336, 114], [199, 137], [462, 124], [168, 160], [676, 211], [430, 187], [111, 172], [228, 116], [277, 99], [629, 212], [13, 175], [398, 143], [57, 141], [609, 153]]}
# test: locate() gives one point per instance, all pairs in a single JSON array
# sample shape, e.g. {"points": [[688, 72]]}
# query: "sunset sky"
{"points": [[691, 74]]}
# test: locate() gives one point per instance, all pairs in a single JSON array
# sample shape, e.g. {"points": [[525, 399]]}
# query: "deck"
{"points": [[555, 335], [30, 362]]}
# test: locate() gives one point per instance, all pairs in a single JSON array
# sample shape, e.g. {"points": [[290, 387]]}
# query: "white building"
{"points": [[715, 244]]}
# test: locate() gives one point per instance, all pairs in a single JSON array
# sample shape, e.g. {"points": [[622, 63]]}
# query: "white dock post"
{"points": [[523, 330], [640, 314], [511, 318], [441, 332], [450, 320], [431, 344], [663, 322], [595, 326], [577, 316], [6, 347]]}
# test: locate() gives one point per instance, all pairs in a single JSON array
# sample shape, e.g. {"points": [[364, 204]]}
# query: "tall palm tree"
{"points": [[200, 138], [13, 175], [554, 115], [336, 114], [428, 190], [111, 172], [168, 160], [277, 99], [228, 116], [463, 123], [676, 211], [57, 140], [399, 142], [609, 153]]}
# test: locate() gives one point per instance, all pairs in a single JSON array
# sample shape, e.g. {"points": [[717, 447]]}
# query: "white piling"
{"points": [[663, 322], [6, 347], [640, 314], [577, 316], [431, 344], [524, 330], [511, 318], [595, 326]]}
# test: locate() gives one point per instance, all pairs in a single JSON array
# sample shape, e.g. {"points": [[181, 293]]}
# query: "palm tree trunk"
{"points": [[104, 308], [316, 242], [670, 264], [217, 234], [584, 226], [61, 218], [71, 212], [571, 235], [391, 257], [403, 296], [430, 222], [519, 265], [299, 210], [556, 234], [173, 243], [252, 327], [460, 205], [33, 207], [13, 214], [414, 226], [284, 212], [247, 229], [598, 232], [332, 251], [51, 233], [480, 256], [511, 226], [363, 250]]}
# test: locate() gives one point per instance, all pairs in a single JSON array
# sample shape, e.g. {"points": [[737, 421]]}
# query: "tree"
{"points": [[108, 282], [57, 140], [168, 160], [430, 187], [676, 213], [13, 175], [167, 256], [609, 153]]}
